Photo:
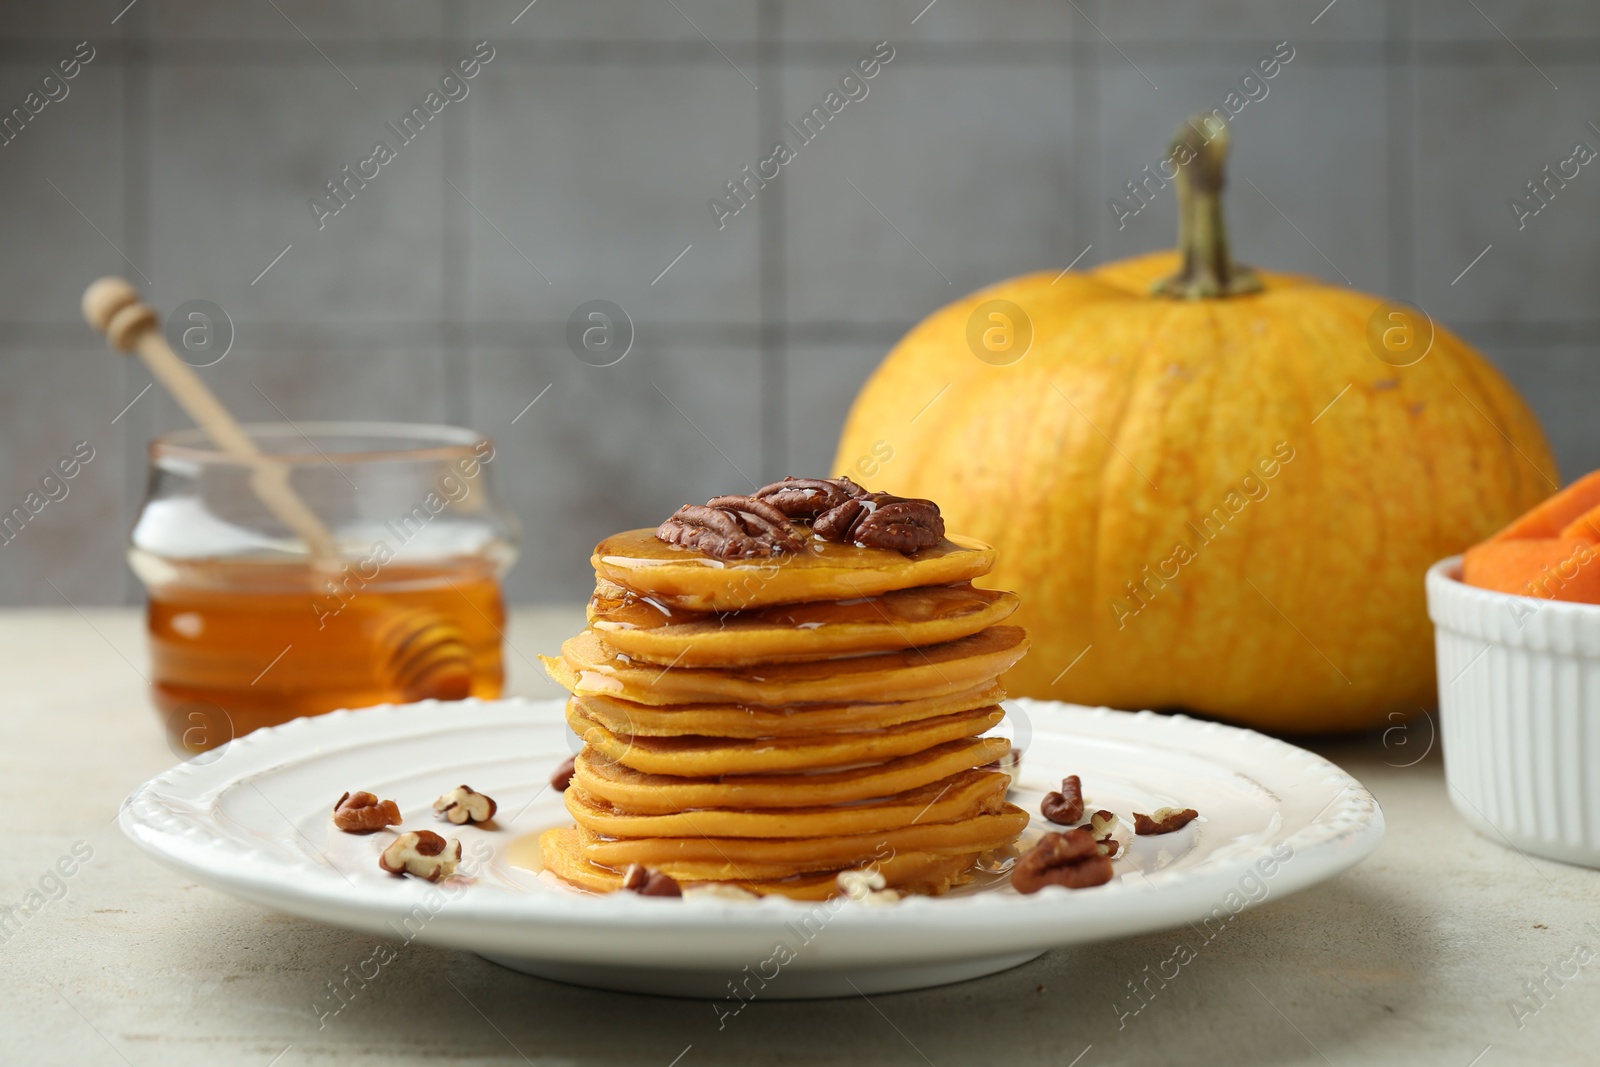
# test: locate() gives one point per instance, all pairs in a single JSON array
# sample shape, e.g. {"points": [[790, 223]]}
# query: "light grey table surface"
{"points": [[1418, 956]]}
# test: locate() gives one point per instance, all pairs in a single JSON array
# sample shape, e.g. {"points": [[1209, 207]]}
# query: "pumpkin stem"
{"points": [[1200, 148]]}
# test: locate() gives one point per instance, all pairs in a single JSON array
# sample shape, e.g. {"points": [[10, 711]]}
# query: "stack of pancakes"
{"points": [[771, 722]]}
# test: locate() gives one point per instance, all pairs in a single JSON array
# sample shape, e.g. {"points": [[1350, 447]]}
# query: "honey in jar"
{"points": [[236, 645], [252, 624]]}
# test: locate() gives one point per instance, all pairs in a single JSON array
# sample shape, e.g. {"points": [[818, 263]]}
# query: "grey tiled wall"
{"points": [[580, 165]]}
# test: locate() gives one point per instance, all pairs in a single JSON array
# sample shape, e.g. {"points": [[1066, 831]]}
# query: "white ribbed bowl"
{"points": [[1519, 702]]}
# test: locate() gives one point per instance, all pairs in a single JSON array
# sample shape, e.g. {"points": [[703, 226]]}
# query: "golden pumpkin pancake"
{"points": [[720, 858], [744, 720], [918, 872], [588, 665], [699, 757], [961, 796], [685, 578], [656, 794], [649, 630]]}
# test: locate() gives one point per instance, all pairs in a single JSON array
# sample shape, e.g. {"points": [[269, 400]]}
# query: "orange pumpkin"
{"points": [[1216, 490]]}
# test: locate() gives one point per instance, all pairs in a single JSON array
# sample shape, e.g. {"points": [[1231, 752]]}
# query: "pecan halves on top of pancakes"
{"points": [[806, 498], [882, 520], [730, 527]]}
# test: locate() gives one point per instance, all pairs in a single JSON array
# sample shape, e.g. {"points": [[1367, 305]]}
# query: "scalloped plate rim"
{"points": [[1335, 840]]}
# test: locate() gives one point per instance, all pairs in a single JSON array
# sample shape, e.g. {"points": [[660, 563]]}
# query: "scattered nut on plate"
{"points": [[1163, 821], [1104, 826], [647, 883], [463, 804], [421, 854], [363, 813], [1065, 807], [1072, 859], [563, 775]]}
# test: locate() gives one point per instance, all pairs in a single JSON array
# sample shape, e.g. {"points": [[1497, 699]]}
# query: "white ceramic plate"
{"points": [[253, 821]]}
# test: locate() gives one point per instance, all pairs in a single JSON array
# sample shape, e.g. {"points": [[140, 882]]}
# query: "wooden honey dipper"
{"points": [[112, 306], [425, 654], [422, 653]]}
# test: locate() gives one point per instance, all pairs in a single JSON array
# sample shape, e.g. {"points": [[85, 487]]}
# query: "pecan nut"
{"points": [[648, 883], [1072, 859], [1104, 826], [881, 520], [730, 527], [563, 774], [806, 498], [421, 854], [363, 813], [1065, 807], [1163, 821], [838, 523], [738, 527], [463, 804]]}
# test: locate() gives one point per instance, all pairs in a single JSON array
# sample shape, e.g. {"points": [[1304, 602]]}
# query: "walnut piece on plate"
{"points": [[421, 854], [363, 813], [463, 804]]}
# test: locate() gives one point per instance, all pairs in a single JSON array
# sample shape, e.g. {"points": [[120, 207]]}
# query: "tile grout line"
{"points": [[1351, 54], [1085, 140], [137, 210], [1400, 98], [455, 252], [67, 336], [772, 236]]}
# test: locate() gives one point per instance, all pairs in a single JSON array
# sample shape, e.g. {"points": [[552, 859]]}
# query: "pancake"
{"points": [[699, 757], [918, 872], [961, 796], [719, 858], [588, 665], [648, 630], [656, 794], [743, 720], [684, 578]]}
